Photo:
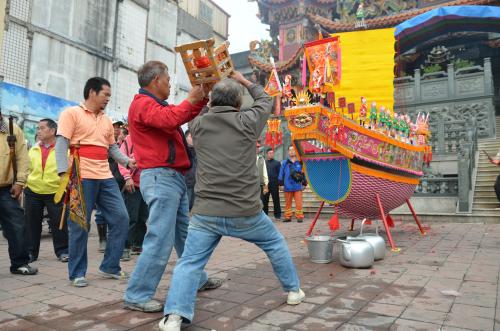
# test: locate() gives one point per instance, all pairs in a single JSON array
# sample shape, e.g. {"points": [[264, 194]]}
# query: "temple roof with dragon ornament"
{"points": [[379, 14]]}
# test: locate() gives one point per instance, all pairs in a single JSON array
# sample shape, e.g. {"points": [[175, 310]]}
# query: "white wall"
{"points": [[59, 69], [131, 37], [162, 23]]}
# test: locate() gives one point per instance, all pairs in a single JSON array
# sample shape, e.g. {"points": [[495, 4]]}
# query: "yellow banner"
{"points": [[367, 67]]}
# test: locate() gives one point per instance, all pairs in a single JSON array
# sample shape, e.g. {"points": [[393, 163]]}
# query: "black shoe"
{"points": [[300, 220], [25, 270], [286, 220]]}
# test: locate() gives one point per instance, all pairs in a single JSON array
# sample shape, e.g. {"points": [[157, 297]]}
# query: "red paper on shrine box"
{"points": [[350, 108], [342, 102]]}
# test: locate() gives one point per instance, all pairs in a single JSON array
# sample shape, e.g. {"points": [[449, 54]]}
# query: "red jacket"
{"points": [[155, 129]]}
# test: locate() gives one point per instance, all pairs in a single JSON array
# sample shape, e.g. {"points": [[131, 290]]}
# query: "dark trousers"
{"points": [[274, 191], [190, 192], [138, 214], [12, 220], [34, 204]]}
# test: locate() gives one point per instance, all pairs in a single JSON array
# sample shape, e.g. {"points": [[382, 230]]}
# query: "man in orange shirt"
{"points": [[88, 126]]}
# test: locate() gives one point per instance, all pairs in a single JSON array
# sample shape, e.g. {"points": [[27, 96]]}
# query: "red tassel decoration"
{"points": [[390, 221], [334, 222]]}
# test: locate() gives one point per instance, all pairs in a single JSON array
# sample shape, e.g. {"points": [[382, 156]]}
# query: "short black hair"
{"points": [[50, 123], [94, 84]]}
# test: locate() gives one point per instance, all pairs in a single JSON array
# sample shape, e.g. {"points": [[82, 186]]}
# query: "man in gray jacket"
{"points": [[227, 196]]}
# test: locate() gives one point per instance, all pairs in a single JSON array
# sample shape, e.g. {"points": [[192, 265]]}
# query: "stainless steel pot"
{"points": [[375, 240], [356, 253]]}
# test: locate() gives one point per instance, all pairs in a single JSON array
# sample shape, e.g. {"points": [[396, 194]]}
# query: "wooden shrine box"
{"points": [[204, 64]]}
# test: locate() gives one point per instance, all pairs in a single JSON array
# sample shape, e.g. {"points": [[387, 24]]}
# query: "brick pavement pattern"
{"points": [[401, 292]]}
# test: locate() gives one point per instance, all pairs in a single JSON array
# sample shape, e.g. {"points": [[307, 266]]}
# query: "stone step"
{"points": [[487, 205], [484, 180], [488, 142], [491, 150], [487, 176], [486, 211], [478, 215], [489, 171], [487, 199], [484, 194], [484, 186]]}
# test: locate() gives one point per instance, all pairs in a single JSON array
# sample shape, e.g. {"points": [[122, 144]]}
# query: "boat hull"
{"points": [[354, 188]]}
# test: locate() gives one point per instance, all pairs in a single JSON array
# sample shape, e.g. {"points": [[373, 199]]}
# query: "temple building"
{"points": [[453, 73], [293, 22]]}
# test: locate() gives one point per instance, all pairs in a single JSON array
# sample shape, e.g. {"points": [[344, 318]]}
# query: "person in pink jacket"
{"points": [[136, 206]]}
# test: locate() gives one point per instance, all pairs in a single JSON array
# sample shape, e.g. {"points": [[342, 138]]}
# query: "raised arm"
{"points": [[169, 118], [256, 117]]}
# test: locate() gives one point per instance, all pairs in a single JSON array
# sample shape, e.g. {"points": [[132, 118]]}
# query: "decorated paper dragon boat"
{"points": [[361, 170], [364, 165]]}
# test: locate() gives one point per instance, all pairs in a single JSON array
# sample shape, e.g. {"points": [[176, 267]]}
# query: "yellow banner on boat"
{"points": [[367, 67]]}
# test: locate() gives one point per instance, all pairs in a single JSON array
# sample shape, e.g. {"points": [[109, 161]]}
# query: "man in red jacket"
{"points": [[161, 152]]}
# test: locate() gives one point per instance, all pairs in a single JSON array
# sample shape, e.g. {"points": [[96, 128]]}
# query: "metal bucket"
{"points": [[320, 248]]}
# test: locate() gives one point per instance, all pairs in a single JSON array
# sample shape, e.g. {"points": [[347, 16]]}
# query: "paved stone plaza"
{"points": [[402, 292]]}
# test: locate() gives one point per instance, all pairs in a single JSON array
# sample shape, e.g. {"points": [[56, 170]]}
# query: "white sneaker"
{"points": [[173, 323], [294, 298]]}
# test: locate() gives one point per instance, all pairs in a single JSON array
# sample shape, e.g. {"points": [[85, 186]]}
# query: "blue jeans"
{"points": [[106, 195], [204, 234], [13, 225], [164, 190]]}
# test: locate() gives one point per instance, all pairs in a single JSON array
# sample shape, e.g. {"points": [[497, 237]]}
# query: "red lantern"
{"points": [[274, 136]]}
